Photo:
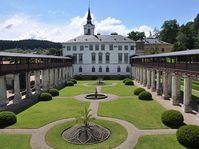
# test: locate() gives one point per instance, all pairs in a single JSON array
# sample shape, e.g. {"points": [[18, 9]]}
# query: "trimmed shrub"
{"points": [[45, 97], [188, 136], [74, 81], [172, 118], [126, 79], [54, 92], [137, 91], [129, 82], [7, 118], [145, 96], [107, 78], [78, 77], [69, 83]]}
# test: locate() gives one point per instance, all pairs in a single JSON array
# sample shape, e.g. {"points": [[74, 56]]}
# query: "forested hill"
{"points": [[28, 44]]}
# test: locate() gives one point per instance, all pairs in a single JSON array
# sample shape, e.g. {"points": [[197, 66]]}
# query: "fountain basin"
{"points": [[95, 96]]}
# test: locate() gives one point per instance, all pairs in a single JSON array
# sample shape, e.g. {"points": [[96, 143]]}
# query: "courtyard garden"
{"points": [[126, 113]]}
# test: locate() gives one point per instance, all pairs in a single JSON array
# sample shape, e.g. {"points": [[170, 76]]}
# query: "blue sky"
{"points": [[58, 14]]}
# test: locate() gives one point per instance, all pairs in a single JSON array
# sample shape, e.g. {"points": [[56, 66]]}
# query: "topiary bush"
{"points": [[126, 79], [45, 97], [129, 82], [137, 91], [69, 83], [7, 118], [172, 118], [54, 92], [74, 81], [188, 136], [145, 96]]}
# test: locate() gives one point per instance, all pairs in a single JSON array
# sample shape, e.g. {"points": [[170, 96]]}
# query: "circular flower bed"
{"points": [[137, 91], [188, 136], [7, 118], [145, 96], [172, 118]]}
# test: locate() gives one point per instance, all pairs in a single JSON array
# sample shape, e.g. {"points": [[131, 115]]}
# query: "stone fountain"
{"points": [[96, 96]]}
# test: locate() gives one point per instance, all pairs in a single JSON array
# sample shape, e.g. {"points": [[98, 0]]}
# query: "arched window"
{"points": [[93, 69], [127, 69], [107, 69], [80, 69], [118, 69], [93, 58], [100, 69]]}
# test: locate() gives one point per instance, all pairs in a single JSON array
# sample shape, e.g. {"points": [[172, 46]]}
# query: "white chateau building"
{"points": [[100, 55]]}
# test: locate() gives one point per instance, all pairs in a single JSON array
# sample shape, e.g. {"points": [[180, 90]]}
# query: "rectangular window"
{"points": [[93, 58], [126, 58], [102, 47], [74, 48], [100, 58], [120, 58], [81, 48], [68, 48], [110, 47], [132, 47], [75, 58], [80, 58], [91, 47], [97, 47], [107, 58], [126, 47], [120, 48]]}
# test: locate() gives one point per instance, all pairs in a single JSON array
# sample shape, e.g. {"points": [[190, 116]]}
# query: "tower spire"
{"points": [[89, 19]]}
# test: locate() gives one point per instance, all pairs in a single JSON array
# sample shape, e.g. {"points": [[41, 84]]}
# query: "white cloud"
{"points": [[24, 27]]}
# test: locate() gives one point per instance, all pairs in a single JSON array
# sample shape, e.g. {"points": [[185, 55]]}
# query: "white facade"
{"points": [[96, 55]]}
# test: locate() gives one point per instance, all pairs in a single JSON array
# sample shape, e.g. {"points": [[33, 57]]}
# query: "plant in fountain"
{"points": [[86, 133]]}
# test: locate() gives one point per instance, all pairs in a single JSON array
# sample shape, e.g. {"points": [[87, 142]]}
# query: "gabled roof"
{"points": [[170, 54], [99, 38]]}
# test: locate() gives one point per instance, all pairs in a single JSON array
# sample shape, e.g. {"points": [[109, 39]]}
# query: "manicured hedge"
{"points": [[188, 136], [69, 83], [7, 118], [126, 79], [172, 118], [74, 81], [129, 82], [45, 97], [145, 96], [54, 92], [137, 91]]}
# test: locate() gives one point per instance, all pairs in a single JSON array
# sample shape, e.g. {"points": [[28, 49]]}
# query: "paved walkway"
{"points": [[189, 118], [38, 135]]}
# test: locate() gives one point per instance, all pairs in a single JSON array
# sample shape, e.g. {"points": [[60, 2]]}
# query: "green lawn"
{"points": [[118, 135], [143, 114], [158, 142], [15, 141], [120, 89], [43, 113], [76, 90]]}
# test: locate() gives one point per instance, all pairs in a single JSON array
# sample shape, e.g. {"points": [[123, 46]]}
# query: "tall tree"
{"points": [[136, 35], [169, 31]]}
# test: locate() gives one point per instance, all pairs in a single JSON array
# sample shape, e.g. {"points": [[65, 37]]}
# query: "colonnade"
{"points": [[44, 79], [166, 84]]}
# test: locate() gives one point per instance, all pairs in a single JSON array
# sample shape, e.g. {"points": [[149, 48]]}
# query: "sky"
{"points": [[61, 20]]}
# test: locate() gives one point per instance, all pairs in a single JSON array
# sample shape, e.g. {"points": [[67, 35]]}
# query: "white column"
{"points": [[37, 82], [165, 86], [175, 89], [3, 92], [153, 85], [145, 77], [187, 94], [28, 85], [45, 80], [56, 77], [169, 84], [148, 78], [158, 83], [141, 75], [17, 94], [51, 78]]}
